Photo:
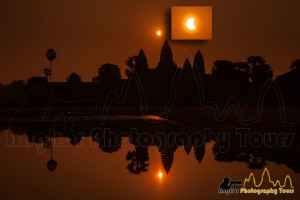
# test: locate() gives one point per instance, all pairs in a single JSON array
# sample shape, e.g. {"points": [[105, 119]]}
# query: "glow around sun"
{"points": [[190, 23]]}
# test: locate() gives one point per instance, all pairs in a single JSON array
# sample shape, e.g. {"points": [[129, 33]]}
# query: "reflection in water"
{"points": [[51, 163], [165, 135], [139, 160], [160, 175]]}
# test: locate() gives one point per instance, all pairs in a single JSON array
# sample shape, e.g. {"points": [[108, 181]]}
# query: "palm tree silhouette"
{"points": [[51, 55], [132, 72], [51, 165], [137, 65], [131, 65], [47, 72]]}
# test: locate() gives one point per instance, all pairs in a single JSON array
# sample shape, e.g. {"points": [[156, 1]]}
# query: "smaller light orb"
{"points": [[158, 32], [160, 175]]}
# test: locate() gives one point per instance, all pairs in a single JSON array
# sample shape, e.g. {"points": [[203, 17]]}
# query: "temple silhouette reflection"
{"points": [[166, 136]]}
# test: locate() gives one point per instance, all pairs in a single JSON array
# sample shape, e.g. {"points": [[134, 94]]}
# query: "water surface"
{"points": [[87, 167]]}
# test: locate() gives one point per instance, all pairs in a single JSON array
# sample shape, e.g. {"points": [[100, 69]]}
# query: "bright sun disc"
{"points": [[190, 23], [160, 175], [158, 33]]}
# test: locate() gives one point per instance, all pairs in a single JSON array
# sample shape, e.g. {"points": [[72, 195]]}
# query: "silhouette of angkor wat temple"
{"points": [[155, 86], [246, 82]]}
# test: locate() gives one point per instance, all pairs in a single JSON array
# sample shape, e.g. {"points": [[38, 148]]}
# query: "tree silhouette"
{"points": [[52, 164], [295, 65], [256, 60], [74, 78], [131, 63], [242, 67], [139, 160], [260, 71], [289, 83], [224, 72], [228, 73], [95, 79], [47, 72], [18, 84], [243, 70], [231, 78], [198, 64], [51, 55], [138, 65]]}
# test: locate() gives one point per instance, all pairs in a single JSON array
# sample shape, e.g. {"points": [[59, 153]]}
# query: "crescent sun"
{"points": [[190, 23]]}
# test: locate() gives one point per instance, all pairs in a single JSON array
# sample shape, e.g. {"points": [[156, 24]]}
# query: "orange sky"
{"points": [[87, 34]]}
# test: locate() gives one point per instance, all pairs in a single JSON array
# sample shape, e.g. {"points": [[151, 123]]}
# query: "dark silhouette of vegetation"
{"points": [[138, 68], [243, 80], [230, 75], [52, 164], [47, 72], [138, 65], [295, 65], [13, 93], [133, 72], [224, 72], [51, 55], [289, 83], [18, 84], [131, 65], [95, 79], [260, 71], [139, 160], [74, 78], [230, 79]]}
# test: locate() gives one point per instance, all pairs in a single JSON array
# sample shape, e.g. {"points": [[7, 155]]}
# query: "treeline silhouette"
{"points": [[187, 85]]}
